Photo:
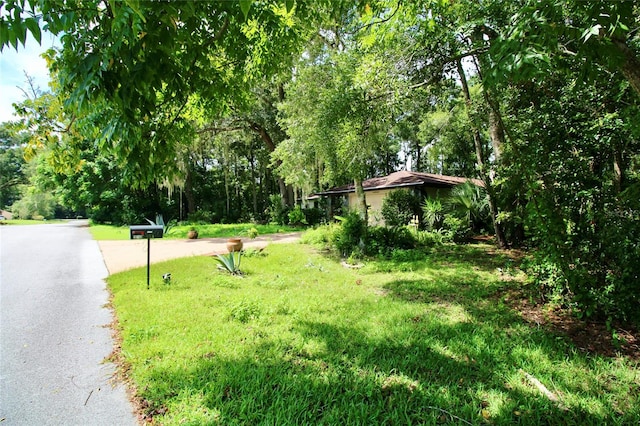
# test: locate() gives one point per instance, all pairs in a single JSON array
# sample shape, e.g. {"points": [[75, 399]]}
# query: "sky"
{"points": [[12, 68]]}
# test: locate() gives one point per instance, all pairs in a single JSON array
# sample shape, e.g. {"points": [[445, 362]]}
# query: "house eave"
{"points": [[374, 188]]}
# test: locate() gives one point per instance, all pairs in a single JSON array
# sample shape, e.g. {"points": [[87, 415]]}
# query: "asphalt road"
{"points": [[54, 333]]}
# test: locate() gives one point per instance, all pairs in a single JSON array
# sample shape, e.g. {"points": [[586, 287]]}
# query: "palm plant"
{"points": [[470, 202]]}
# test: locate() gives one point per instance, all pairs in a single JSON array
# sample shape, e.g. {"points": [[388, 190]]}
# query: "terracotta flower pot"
{"points": [[234, 244]]}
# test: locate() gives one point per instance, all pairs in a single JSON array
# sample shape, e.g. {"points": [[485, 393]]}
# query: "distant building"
{"points": [[425, 184]]}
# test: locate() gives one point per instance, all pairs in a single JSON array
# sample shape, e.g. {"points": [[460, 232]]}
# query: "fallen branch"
{"points": [[535, 382], [543, 389]]}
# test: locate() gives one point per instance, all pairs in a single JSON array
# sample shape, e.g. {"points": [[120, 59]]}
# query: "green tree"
{"points": [[12, 164], [602, 34], [339, 111], [144, 62]]}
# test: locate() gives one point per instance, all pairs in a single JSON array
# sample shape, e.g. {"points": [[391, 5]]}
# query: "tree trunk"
{"points": [[226, 190], [496, 129], [361, 199], [630, 67], [286, 192], [188, 193], [254, 191], [493, 207]]}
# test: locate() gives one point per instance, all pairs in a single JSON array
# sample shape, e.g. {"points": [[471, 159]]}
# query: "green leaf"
{"points": [[289, 4], [34, 27], [135, 6], [245, 5]]}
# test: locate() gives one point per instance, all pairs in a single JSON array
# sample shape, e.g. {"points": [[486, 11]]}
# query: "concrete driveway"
{"points": [[127, 254]]}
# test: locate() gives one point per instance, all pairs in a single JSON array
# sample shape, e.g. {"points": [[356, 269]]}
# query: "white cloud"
{"points": [[14, 64]]}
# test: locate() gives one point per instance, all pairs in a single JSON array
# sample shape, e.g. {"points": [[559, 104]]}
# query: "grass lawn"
{"points": [[32, 221], [109, 232], [425, 338]]}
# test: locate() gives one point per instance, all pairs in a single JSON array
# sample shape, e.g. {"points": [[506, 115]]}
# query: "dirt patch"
{"points": [[587, 335]]}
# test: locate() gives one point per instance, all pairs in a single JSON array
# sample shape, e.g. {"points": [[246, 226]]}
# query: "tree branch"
{"points": [[216, 130]]}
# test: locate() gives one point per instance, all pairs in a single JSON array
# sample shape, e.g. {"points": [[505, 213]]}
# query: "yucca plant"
{"points": [[433, 213], [230, 262]]}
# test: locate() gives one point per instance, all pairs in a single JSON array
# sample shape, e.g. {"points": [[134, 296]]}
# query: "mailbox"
{"points": [[145, 231]]}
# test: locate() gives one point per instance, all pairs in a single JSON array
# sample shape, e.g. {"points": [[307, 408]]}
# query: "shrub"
{"points": [[591, 254], [432, 238], [399, 207], [470, 203], [548, 277], [296, 216], [456, 229], [314, 215], [278, 212], [252, 233], [245, 311], [381, 240], [350, 235], [404, 255]]}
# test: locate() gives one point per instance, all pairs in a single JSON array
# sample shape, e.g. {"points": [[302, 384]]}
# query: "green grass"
{"points": [[31, 221], [422, 339], [109, 232]]}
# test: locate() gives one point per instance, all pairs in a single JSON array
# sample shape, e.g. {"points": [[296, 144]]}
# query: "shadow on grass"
{"points": [[359, 380], [478, 257], [448, 352]]}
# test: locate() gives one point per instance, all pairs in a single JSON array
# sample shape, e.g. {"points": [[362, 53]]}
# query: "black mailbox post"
{"points": [[147, 232]]}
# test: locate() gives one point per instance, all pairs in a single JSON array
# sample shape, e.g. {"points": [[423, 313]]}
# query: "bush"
{"points": [[408, 256], [382, 240], [548, 277], [455, 228], [297, 217], [314, 215], [399, 207], [432, 238], [470, 202], [278, 212], [350, 235], [591, 255]]}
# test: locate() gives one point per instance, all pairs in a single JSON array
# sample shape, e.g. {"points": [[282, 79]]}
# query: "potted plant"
{"points": [[192, 234], [234, 244]]}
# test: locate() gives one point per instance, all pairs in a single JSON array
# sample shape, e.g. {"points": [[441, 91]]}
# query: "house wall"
{"points": [[375, 199], [374, 202]]}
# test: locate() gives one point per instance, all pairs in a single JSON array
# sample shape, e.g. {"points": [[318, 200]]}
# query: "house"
{"points": [[376, 189]]}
